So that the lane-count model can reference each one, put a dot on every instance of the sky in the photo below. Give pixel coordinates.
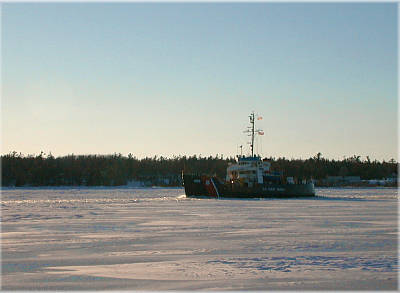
(171, 79)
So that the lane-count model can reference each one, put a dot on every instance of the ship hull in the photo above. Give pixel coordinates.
(200, 185)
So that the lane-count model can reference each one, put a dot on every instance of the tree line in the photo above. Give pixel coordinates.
(116, 169)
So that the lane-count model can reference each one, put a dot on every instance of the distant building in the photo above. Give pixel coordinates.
(334, 179)
(134, 183)
(356, 181)
(342, 179)
(393, 178)
(376, 182)
(352, 179)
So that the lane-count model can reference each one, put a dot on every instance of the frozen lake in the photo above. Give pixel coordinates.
(156, 239)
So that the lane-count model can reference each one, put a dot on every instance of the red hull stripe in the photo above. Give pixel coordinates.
(210, 186)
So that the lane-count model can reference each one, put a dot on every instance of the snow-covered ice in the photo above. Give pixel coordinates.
(157, 239)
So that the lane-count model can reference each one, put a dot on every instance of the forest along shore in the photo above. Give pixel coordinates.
(118, 170)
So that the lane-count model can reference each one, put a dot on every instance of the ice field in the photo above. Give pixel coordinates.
(157, 239)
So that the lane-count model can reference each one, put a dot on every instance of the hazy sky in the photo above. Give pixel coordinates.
(181, 79)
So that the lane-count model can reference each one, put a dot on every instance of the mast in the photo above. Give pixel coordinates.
(252, 131)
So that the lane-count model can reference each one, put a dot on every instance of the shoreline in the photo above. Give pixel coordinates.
(167, 187)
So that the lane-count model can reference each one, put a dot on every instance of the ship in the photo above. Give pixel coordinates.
(248, 177)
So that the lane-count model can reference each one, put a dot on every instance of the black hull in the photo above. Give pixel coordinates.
(198, 185)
